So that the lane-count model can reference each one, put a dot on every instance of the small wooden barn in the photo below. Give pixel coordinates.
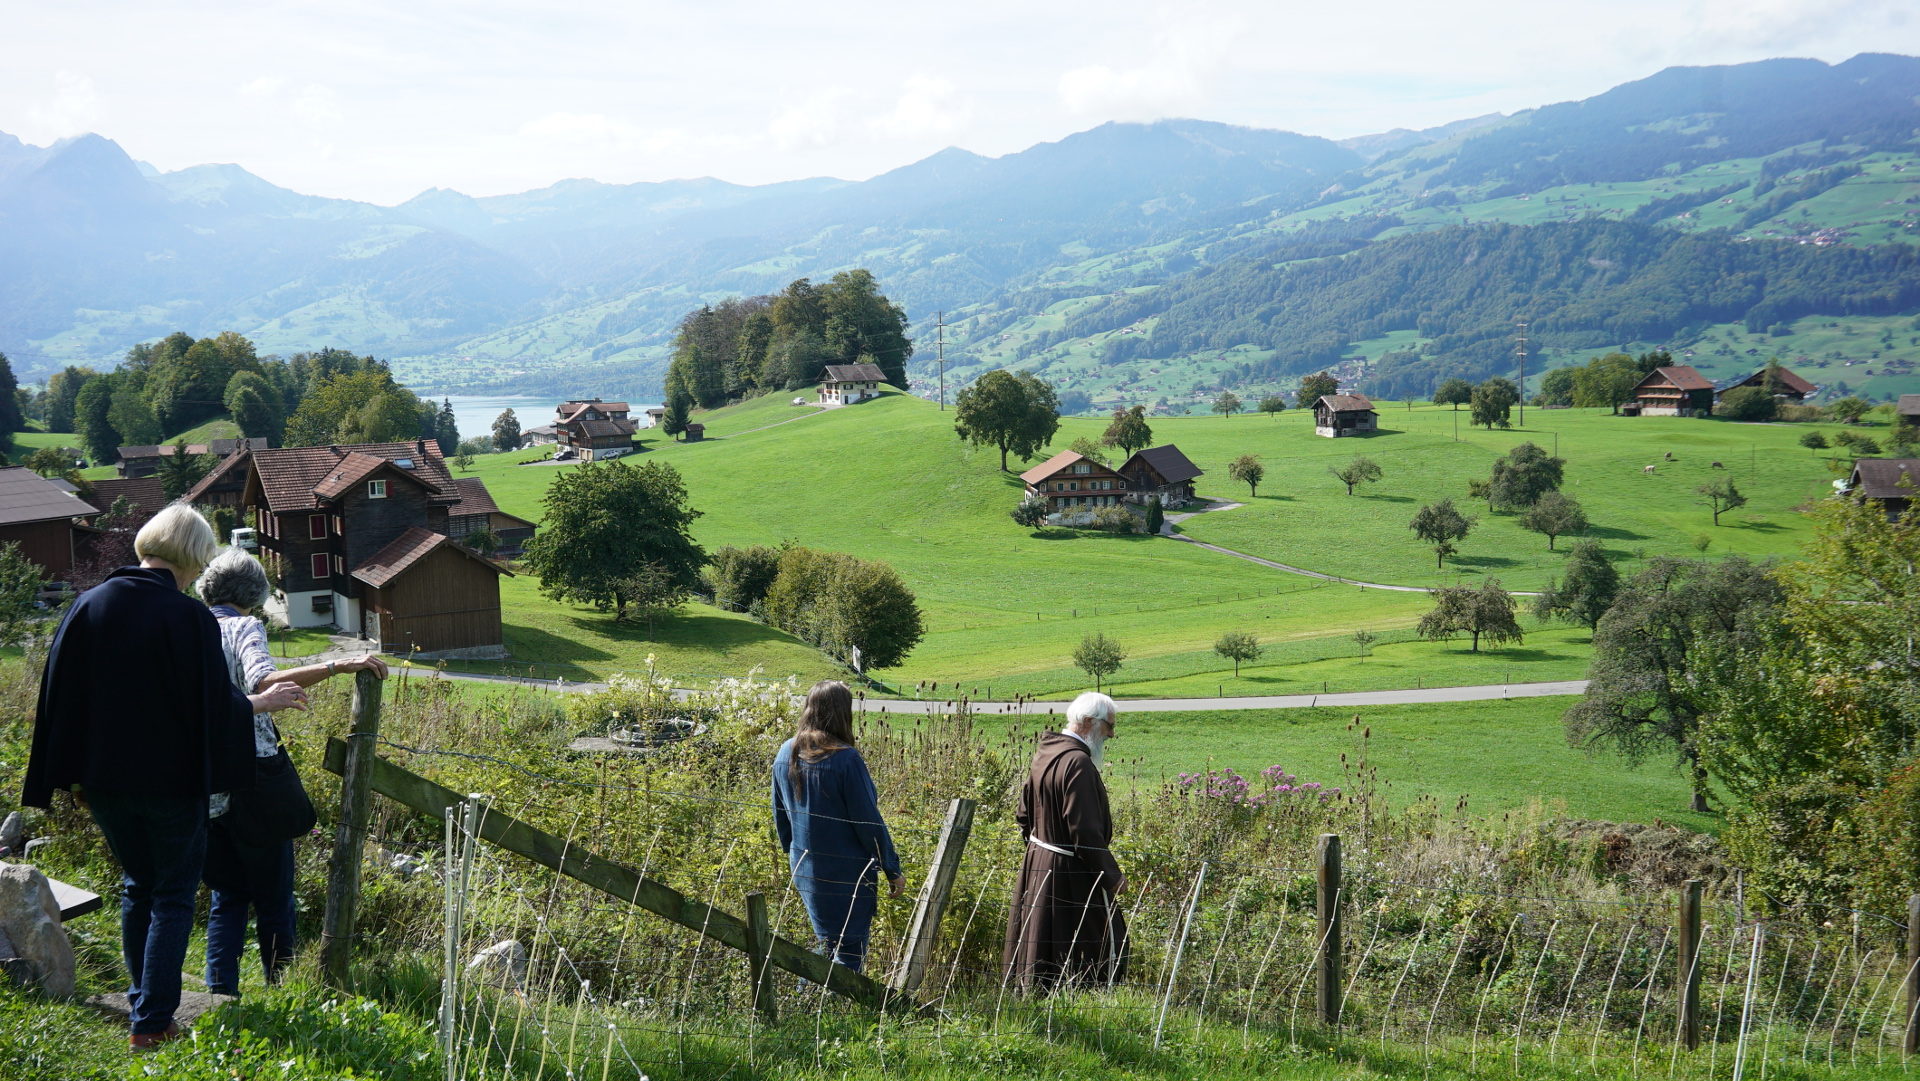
(1160, 471)
(1335, 415)
(1786, 385)
(38, 516)
(1674, 391)
(1892, 481)
(428, 595)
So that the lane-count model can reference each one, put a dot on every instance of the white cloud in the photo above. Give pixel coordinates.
(73, 108)
(1172, 79)
(598, 131)
(927, 106)
(814, 122)
(318, 105)
(264, 87)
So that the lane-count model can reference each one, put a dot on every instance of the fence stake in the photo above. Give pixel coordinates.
(924, 931)
(449, 944)
(350, 832)
(760, 957)
(1326, 963)
(1180, 951)
(1913, 975)
(1689, 962)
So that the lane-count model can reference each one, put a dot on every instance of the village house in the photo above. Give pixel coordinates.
(145, 498)
(1787, 386)
(225, 483)
(1907, 410)
(144, 461)
(1675, 391)
(1072, 483)
(593, 430)
(1160, 471)
(544, 436)
(39, 516)
(845, 384)
(1335, 415)
(477, 513)
(357, 537)
(1892, 481)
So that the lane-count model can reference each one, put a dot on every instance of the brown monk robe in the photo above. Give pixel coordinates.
(1064, 925)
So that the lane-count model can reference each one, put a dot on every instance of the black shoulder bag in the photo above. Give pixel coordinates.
(275, 807)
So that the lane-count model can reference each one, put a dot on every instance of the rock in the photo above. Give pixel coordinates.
(406, 866)
(30, 920)
(503, 964)
(13, 831)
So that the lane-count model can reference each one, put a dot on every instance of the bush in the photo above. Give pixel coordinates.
(1115, 519)
(741, 577)
(1748, 404)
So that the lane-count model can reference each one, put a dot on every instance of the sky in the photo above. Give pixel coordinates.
(380, 100)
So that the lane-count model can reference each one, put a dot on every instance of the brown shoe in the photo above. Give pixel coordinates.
(150, 1041)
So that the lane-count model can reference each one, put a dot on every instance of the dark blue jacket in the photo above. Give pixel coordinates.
(831, 819)
(135, 698)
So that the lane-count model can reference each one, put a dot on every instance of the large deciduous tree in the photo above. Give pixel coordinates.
(1556, 515)
(1523, 475)
(1317, 386)
(1587, 591)
(1440, 525)
(1128, 430)
(1016, 413)
(1247, 470)
(1227, 404)
(1605, 381)
(1483, 613)
(93, 419)
(1492, 403)
(605, 521)
(1362, 470)
(1240, 647)
(1645, 689)
(856, 609)
(1455, 392)
(506, 431)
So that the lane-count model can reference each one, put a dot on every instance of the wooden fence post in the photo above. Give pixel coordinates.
(1913, 975)
(760, 956)
(350, 832)
(1327, 968)
(924, 931)
(1689, 962)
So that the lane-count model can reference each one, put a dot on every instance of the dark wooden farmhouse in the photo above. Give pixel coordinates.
(1163, 472)
(323, 514)
(225, 484)
(1892, 481)
(593, 430)
(1335, 415)
(1071, 483)
(39, 517)
(1907, 410)
(1787, 386)
(1676, 391)
(845, 384)
(424, 594)
(144, 461)
(476, 511)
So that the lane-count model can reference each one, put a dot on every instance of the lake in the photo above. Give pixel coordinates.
(476, 414)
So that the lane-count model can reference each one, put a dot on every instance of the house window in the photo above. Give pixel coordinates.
(376, 489)
(339, 565)
(317, 565)
(1082, 467)
(316, 526)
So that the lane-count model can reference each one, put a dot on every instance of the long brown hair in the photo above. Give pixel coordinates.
(826, 725)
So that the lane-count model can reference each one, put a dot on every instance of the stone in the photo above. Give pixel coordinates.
(30, 920)
(503, 964)
(405, 865)
(13, 831)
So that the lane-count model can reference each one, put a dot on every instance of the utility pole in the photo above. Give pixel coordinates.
(1521, 352)
(940, 336)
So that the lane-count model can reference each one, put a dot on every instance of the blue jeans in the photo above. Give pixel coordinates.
(160, 842)
(243, 877)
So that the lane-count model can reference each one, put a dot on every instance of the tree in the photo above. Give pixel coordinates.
(1455, 392)
(1129, 430)
(1098, 656)
(1364, 639)
(20, 579)
(1361, 470)
(446, 428)
(253, 404)
(482, 540)
(1644, 690)
(362, 405)
(606, 520)
(856, 609)
(1588, 590)
(673, 418)
(1749, 404)
(1274, 404)
(11, 419)
(650, 592)
(51, 461)
(1849, 409)
(1088, 449)
(1486, 612)
(1440, 524)
(1017, 413)
(1227, 404)
(133, 418)
(1317, 386)
(1556, 388)
(180, 471)
(1031, 512)
(1554, 515)
(1606, 381)
(1492, 403)
(1247, 470)
(1722, 496)
(1904, 436)
(506, 431)
(63, 392)
(1813, 441)
(1523, 475)
(463, 461)
(1155, 516)
(92, 419)
(1239, 647)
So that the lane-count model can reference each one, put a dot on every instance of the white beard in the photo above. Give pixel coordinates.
(1097, 746)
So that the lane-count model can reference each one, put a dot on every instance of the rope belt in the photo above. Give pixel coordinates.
(1056, 849)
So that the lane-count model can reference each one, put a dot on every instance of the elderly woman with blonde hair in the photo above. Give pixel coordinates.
(241, 872)
(138, 720)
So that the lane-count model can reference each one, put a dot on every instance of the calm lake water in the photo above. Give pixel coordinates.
(477, 414)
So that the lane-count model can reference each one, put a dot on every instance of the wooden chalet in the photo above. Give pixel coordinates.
(226, 483)
(477, 511)
(1675, 391)
(145, 498)
(1907, 410)
(1335, 415)
(1787, 386)
(39, 517)
(594, 430)
(1072, 483)
(845, 384)
(1892, 481)
(1163, 472)
(426, 594)
(325, 514)
(144, 461)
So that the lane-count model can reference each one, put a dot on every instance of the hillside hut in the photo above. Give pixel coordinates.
(1335, 415)
(1891, 481)
(38, 516)
(1160, 471)
(424, 594)
(1907, 410)
(845, 384)
(1675, 391)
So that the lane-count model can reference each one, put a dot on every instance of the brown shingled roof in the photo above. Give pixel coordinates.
(1347, 403)
(1172, 466)
(1684, 377)
(1908, 406)
(474, 498)
(235, 462)
(1879, 478)
(26, 496)
(854, 373)
(410, 548)
(290, 475)
(146, 495)
(1051, 466)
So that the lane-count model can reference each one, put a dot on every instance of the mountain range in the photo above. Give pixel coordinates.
(1067, 257)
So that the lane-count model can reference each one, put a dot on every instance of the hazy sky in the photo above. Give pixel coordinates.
(378, 101)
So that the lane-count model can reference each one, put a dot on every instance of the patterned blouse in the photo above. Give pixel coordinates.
(244, 641)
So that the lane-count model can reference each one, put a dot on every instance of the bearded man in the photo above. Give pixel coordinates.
(1065, 925)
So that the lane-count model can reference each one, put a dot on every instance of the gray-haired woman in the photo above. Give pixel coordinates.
(243, 876)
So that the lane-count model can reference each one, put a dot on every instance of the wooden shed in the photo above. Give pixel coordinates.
(1335, 415)
(1891, 481)
(1675, 391)
(427, 595)
(38, 516)
(1785, 384)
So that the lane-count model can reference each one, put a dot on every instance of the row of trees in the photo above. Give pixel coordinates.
(858, 610)
(744, 346)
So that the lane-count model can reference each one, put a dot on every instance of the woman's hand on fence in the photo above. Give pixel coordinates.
(279, 696)
(896, 887)
(366, 663)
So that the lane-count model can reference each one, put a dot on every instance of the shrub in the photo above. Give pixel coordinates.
(1115, 519)
(1748, 404)
(741, 577)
